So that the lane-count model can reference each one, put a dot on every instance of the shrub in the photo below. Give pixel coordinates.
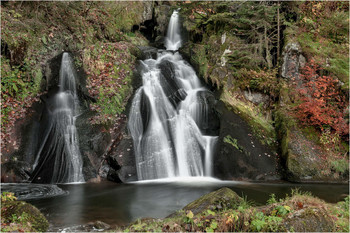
(320, 102)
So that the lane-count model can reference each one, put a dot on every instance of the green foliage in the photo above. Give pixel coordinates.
(19, 216)
(264, 81)
(281, 210)
(8, 196)
(281, 216)
(11, 79)
(340, 165)
(272, 199)
(212, 227)
(245, 204)
(341, 215)
(259, 222)
(189, 217)
(324, 35)
(109, 66)
(262, 222)
(233, 142)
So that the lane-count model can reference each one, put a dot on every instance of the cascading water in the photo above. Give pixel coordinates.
(167, 115)
(58, 158)
(173, 38)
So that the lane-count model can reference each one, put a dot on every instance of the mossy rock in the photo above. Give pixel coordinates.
(217, 200)
(310, 220)
(25, 213)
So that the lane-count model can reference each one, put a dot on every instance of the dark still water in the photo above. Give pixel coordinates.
(119, 204)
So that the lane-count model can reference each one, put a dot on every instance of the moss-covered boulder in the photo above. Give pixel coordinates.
(300, 212)
(310, 220)
(217, 200)
(304, 158)
(22, 216)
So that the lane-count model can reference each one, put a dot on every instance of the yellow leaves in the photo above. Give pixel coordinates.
(231, 218)
(190, 214)
(274, 212)
(287, 208)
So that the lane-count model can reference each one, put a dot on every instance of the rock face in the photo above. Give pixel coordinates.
(304, 162)
(256, 97)
(120, 160)
(161, 15)
(293, 60)
(217, 200)
(239, 154)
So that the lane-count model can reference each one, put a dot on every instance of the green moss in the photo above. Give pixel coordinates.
(220, 199)
(200, 58)
(261, 126)
(21, 216)
(333, 57)
(111, 91)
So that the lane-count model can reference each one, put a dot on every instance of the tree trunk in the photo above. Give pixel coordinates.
(278, 32)
(267, 50)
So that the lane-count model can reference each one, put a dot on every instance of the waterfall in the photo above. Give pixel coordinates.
(58, 158)
(173, 38)
(167, 115)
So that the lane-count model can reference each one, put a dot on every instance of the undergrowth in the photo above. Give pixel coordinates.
(279, 215)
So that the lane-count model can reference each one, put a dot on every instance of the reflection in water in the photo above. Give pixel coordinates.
(119, 204)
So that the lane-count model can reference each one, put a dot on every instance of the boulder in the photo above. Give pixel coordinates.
(310, 220)
(168, 81)
(217, 200)
(256, 97)
(239, 154)
(293, 60)
(209, 125)
(28, 214)
(99, 225)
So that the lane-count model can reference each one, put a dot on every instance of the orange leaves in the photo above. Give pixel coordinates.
(321, 103)
(300, 205)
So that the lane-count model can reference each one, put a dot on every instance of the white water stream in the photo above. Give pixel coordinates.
(58, 158)
(165, 114)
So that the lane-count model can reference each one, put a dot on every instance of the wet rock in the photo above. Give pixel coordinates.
(123, 154)
(148, 52)
(209, 125)
(103, 171)
(93, 143)
(172, 90)
(239, 155)
(101, 225)
(146, 114)
(293, 60)
(224, 197)
(162, 15)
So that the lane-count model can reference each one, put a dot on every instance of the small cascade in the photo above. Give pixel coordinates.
(168, 115)
(173, 38)
(58, 158)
